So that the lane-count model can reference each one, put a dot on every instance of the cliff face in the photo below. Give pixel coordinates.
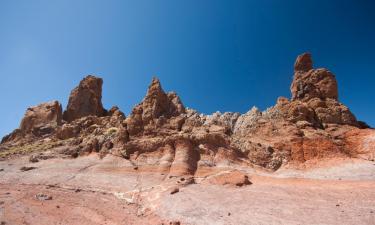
(161, 133)
(85, 100)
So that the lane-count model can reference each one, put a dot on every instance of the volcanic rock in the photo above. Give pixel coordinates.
(230, 178)
(186, 158)
(156, 107)
(85, 100)
(38, 121)
(309, 83)
(303, 63)
(162, 135)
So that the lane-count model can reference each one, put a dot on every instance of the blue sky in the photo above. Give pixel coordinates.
(217, 55)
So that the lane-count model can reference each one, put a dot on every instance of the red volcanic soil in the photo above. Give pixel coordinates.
(90, 190)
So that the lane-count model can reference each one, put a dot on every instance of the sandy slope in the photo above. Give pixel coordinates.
(89, 190)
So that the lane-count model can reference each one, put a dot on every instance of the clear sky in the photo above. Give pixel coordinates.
(217, 55)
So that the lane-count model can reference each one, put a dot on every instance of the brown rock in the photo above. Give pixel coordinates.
(154, 109)
(309, 83)
(231, 178)
(186, 158)
(86, 99)
(67, 131)
(41, 119)
(303, 63)
(360, 143)
(332, 111)
(174, 190)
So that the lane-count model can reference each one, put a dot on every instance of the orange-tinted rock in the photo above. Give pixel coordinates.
(154, 109)
(38, 121)
(160, 135)
(309, 83)
(85, 100)
(332, 111)
(231, 178)
(361, 143)
(186, 158)
(303, 63)
(43, 115)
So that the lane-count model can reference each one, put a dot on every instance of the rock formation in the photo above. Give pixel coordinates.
(162, 135)
(309, 83)
(85, 100)
(38, 121)
(315, 96)
(42, 119)
(156, 107)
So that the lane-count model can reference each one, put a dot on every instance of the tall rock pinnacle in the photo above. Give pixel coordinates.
(303, 63)
(155, 104)
(85, 100)
(315, 95)
(311, 83)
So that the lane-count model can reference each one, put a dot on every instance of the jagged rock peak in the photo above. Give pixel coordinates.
(154, 105)
(158, 103)
(315, 96)
(303, 62)
(86, 99)
(155, 88)
(311, 83)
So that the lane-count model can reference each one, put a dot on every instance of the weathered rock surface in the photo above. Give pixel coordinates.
(312, 83)
(162, 136)
(154, 110)
(41, 117)
(230, 178)
(38, 121)
(85, 100)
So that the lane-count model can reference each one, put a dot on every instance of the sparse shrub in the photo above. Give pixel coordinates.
(111, 131)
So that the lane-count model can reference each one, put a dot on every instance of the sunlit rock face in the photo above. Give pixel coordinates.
(163, 136)
(85, 100)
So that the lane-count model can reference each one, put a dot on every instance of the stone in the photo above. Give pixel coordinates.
(312, 83)
(186, 158)
(303, 63)
(156, 106)
(160, 135)
(67, 131)
(230, 178)
(174, 190)
(43, 197)
(41, 119)
(27, 168)
(85, 100)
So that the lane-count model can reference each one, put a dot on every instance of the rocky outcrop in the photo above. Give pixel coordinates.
(155, 108)
(162, 136)
(315, 97)
(186, 158)
(311, 83)
(38, 121)
(303, 63)
(42, 118)
(85, 100)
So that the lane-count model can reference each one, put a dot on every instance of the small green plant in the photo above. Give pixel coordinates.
(111, 131)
